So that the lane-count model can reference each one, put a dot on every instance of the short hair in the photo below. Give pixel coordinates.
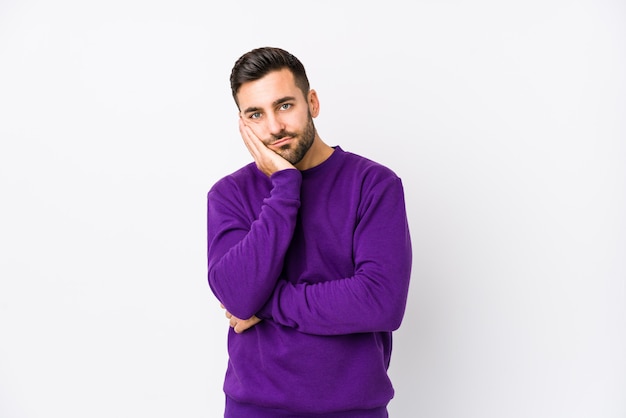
(258, 62)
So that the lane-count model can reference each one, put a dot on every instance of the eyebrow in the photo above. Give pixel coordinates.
(275, 103)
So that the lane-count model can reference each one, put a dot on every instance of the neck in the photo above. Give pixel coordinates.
(317, 154)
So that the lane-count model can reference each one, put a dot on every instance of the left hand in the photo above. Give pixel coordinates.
(240, 325)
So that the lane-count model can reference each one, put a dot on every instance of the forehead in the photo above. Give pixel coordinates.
(266, 90)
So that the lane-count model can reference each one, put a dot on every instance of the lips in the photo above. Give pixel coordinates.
(281, 141)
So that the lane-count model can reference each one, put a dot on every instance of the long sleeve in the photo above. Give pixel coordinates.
(323, 256)
(373, 299)
(248, 235)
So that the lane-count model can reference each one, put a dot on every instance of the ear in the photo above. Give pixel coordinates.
(314, 103)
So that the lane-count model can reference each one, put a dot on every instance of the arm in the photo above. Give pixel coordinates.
(374, 298)
(240, 325)
(245, 256)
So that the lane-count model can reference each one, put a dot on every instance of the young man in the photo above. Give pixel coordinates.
(309, 254)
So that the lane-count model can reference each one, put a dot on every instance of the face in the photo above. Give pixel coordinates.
(279, 114)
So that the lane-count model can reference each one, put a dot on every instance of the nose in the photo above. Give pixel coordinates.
(274, 124)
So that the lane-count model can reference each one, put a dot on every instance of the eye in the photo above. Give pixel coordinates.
(255, 115)
(285, 106)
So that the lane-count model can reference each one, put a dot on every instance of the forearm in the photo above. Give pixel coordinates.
(345, 306)
(245, 255)
(374, 297)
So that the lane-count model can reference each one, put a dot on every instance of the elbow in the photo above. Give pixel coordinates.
(391, 311)
(396, 320)
(392, 319)
(385, 321)
(242, 304)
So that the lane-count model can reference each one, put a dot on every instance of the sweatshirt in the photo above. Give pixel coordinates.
(323, 257)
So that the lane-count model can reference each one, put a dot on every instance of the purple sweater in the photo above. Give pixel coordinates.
(323, 256)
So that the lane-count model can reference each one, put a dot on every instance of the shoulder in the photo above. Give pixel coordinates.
(367, 169)
(239, 181)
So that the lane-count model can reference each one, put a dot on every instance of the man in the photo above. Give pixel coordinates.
(309, 254)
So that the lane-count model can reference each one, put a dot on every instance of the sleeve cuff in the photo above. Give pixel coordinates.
(287, 183)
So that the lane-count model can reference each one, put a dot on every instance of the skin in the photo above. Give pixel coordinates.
(276, 125)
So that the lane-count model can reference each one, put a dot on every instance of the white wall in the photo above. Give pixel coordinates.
(504, 119)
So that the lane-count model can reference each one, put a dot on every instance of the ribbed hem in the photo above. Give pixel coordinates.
(236, 409)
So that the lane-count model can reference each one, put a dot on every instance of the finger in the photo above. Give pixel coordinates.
(245, 131)
(241, 326)
(249, 138)
(255, 145)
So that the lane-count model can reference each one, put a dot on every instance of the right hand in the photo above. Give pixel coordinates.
(266, 160)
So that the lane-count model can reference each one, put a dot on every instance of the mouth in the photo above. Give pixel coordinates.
(281, 141)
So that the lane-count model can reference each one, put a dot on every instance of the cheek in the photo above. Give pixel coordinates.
(295, 122)
(259, 130)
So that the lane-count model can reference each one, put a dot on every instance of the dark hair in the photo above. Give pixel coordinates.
(259, 62)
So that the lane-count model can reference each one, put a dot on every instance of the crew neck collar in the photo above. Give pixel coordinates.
(330, 161)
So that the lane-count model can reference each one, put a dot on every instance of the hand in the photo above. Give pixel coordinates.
(266, 160)
(240, 325)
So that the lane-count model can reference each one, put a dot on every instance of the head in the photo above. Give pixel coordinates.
(272, 93)
(259, 62)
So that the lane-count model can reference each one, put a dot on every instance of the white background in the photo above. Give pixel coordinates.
(505, 121)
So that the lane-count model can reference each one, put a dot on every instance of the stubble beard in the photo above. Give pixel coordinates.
(302, 144)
